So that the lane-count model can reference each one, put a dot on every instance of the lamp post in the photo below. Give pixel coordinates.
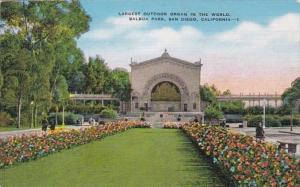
(264, 114)
(286, 102)
(292, 121)
(63, 116)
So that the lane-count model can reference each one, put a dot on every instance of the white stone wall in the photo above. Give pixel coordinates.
(189, 73)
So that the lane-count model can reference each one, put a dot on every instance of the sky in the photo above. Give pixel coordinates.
(258, 53)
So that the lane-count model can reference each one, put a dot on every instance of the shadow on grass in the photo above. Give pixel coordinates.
(210, 174)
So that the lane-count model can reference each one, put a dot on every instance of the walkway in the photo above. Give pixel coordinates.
(276, 134)
(6, 134)
(138, 157)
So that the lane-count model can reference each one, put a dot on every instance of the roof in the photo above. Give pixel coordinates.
(164, 56)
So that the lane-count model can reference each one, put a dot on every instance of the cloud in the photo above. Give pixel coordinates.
(114, 26)
(231, 58)
(283, 29)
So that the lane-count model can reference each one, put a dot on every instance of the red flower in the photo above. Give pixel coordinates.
(265, 164)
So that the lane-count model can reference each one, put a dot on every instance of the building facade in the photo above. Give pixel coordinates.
(165, 84)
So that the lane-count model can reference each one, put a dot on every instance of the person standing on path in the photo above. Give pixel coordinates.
(260, 133)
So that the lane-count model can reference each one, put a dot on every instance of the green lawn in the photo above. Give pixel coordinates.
(138, 157)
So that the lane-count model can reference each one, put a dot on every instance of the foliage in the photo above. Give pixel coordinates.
(24, 148)
(38, 47)
(85, 109)
(232, 107)
(96, 75)
(70, 118)
(283, 109)
(247, 161)
(5, 119)
(120, 84)
(272, 120)
(286, 120)
(108, 113)
(292, 94)
(212, 113)
(226, 92)
(208, 94)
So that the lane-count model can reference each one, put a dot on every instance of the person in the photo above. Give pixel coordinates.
(44, 124)
(143, 117)
(44, 121)
(196, 119)
(90, 121)
(222, 124)
(260, 133)
(52, 126)
(179, 118)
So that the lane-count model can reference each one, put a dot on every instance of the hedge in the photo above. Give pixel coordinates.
(29, 147)
(108, 113)
(70, 118)
(271, 120)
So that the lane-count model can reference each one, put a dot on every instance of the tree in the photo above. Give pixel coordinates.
(207, 94)
(1, 81)
(232, 107)
(61, 95)
(15, 62)
(121, 87)
(38, 36)
(227, 92)
(212, 113)
(292, 94)
(97, 75)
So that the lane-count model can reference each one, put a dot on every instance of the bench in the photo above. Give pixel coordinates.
(288, 146)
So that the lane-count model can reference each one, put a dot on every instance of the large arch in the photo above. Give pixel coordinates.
(167, 77)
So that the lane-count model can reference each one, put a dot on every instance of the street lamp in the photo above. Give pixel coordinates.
(286, 102)
(264, 113)
(31, 104)
(292, 121)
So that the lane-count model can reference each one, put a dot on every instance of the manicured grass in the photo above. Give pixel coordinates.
(137, 157)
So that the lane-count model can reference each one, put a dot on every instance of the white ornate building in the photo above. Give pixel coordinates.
(180, 75)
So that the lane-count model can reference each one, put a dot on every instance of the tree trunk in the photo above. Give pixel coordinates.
(56, 110)
(35, 116)
(19, 112)
(63, 116)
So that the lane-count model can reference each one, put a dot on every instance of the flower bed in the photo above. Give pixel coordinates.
(24, 148)
(172, 125)
(247, 161)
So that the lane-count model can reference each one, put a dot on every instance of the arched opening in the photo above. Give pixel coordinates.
(165, 96)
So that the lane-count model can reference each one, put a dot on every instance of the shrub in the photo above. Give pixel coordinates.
(212, 113)
(85, 109)
(70, 118)
(5, 119)
(232, 107)
(271, 120)
(108, 113)
(286, 120)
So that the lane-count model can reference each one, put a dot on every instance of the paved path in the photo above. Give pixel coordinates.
(6, 134)
(275, 134)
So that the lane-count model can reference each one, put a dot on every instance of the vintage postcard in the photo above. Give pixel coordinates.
(149, 93)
